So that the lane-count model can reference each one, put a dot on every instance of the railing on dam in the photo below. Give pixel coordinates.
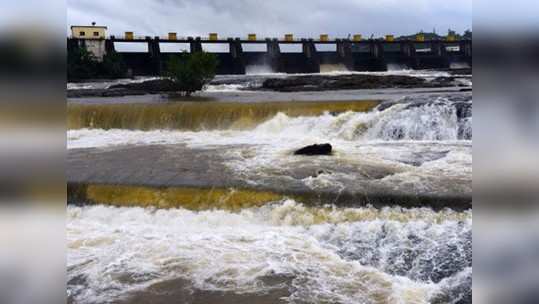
(319, 40)
(354, 53)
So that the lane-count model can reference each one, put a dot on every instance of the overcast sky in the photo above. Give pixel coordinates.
(272, 18)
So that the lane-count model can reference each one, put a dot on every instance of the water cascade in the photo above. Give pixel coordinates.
(197, 115)
(205, 202)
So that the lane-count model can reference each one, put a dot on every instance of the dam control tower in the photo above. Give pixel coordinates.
(92, 37)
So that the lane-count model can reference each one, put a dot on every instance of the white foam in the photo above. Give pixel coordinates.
(435, 122)
(398, 67)
(259, 69)
(330, 68)
(225, 88)
(118, 250)
(459, 65)
(107, 83)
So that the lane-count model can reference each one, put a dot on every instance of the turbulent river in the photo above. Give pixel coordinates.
(287, 248)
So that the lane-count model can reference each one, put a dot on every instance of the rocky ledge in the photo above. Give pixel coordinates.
(156, 86)
(355, 82)
(288, 84)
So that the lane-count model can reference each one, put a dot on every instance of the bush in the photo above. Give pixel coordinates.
(82, 64)
(113, 66)
(191, 71)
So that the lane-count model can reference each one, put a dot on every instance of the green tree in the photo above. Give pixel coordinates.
(191, 71)
(113, 66)
(81, 64)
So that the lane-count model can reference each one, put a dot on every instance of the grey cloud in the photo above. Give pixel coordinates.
(272, 18)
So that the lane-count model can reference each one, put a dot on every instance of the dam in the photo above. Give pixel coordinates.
(266, 152)
(309, 55)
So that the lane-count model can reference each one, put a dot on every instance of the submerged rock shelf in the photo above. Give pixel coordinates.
(176, 176)
(354, 82)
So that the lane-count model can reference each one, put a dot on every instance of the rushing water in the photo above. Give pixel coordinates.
(284, 251)
(439, 118)
(332, 255)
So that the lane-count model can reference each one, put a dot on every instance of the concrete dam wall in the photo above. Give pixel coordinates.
(363, 55)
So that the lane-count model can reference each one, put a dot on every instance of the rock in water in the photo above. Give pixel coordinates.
(149, 86)
(322, 149)
(345, 82)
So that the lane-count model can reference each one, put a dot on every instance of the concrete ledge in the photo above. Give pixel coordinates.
(177, 176)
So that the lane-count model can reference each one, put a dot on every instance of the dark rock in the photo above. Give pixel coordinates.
(320, 172)
(341, 82)
(463, 71)
(150, 86)
(78, 93)
(443, 81)
(322, 149)
(156, 86)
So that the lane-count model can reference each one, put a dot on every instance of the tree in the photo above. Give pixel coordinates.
(190, 72)
(81, 64)
(113, 66)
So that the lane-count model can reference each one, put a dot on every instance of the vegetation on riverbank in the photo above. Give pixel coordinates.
(190, 72)
(82, 64)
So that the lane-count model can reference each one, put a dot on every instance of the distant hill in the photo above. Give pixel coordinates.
(428, 36)
(435, 36)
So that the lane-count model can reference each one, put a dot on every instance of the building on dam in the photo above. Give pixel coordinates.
(92, 37)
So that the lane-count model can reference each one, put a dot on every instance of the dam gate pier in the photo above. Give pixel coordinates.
(308, 56)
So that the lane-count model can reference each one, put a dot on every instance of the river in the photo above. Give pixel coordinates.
(203, 201)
